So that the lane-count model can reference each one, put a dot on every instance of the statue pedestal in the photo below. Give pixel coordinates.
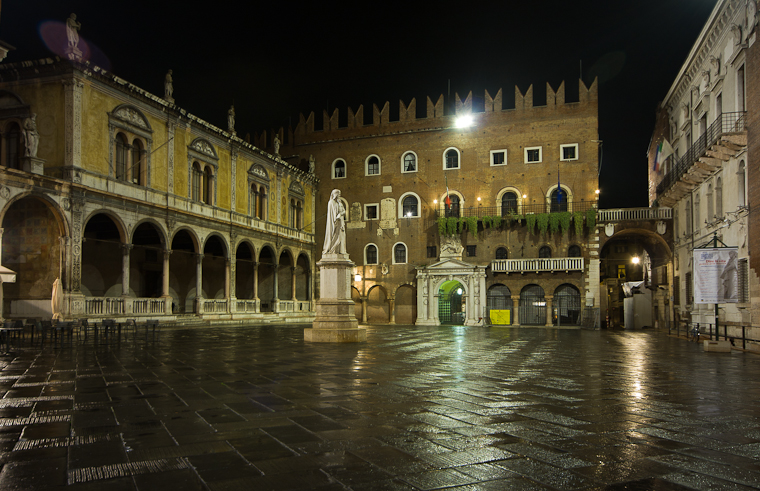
(33, 165)
(335, 321)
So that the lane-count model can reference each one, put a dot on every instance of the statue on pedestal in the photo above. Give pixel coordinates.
(276, 144)
(72, 30)
(231, 120)
(335, 233)
(30, 136)
(168, 86)
(311, 164)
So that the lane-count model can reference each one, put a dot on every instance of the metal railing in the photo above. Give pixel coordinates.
(537, 265)
(710, 332)
(624, 214)
(504, 211)
(728, 123)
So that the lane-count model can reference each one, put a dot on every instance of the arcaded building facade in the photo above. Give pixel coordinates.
(452, 216)
(708, 181)
(142, 209)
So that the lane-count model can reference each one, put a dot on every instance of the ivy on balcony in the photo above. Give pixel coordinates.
(536, 223)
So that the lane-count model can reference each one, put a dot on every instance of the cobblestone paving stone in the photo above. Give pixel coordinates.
(413, 408)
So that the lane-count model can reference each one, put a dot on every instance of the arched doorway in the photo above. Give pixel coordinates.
(146, 261)
(532, 306)
(451, 304)
(566, 306)
(406, 305)
(183, 272)
(377, 306)
(31, 248)
(499, 303)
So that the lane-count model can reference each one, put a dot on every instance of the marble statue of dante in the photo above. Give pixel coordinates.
(231, 119)
(31, 136)
(168, 86)
(311, 164)
(72, 30)
(335, 233)
(276, 144)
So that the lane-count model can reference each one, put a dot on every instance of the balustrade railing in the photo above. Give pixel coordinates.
(148, 305)
(103, 306)
(537, 265)
(215, 306)
(246, 306)
(623, 214)
(734, 122)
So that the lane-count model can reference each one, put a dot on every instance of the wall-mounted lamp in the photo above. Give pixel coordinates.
(635, 259)
(597, 192)
(435, 201)
(525, 196)
(357, 277)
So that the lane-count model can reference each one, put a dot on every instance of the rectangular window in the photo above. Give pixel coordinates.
(432, 251)
(677, 290)
(568, 152)
(370, 212)
(498, 157)
(532, 155)
(472, 250)
(621, 271)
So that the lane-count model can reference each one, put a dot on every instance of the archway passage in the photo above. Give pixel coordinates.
(566, 305)
(451, 306)
(499, 302)
(532, 306)
(31, 248)
(102, 258)
(267, 275)
(146, 261)
(214, 268)
(244, 271)
(303, 278)
(183, 272)
(285, 272)
(406, 305)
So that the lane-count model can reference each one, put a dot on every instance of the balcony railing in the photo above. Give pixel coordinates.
(625, 214)
(728, 123)
(537, 265)
(524, 209)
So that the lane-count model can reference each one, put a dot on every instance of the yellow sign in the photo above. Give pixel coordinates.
(500, 317)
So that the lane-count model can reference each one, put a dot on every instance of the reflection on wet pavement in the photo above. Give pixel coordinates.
(412, 408)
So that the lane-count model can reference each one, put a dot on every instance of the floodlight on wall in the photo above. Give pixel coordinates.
(597, 192)
(357, 277)
(463, 121)
(635, 259)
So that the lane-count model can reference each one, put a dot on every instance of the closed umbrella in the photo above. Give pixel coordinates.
(56, 302)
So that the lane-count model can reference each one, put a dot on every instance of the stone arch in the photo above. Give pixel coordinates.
(245, 269)
(567, 195)
(120, 225)
(303, 277)
(267, 277)
(104, 238)
(518, 197)
(285, 271)
(214, 266)
(146, 258)
(53, 206)
(378, 307)
(566, 305)
(532, 305)
(405, 303)
(185, 247)
(33, 226)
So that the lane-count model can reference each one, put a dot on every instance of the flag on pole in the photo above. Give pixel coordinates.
(664, 150)
(447, 200)
(559, 188)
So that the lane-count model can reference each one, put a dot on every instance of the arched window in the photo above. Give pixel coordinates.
(197, 180)
(545, 252)
(574, 251)
(122, 148)
(262, 209)
(13, 146)
(370, 254)
(253, 201)
(409, 162)
(451, 159)
(742, 183)
(399, 253)
(137, 170)
(339, 169)
(410, 206)
(508, 203)
(372, 166)
(453, 209)
(558, 200)
(208, 186)
(719, 197)
(501, 253)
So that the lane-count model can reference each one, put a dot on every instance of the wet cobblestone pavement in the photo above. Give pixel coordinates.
(412, 408)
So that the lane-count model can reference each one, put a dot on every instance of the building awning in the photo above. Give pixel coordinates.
(7, 275)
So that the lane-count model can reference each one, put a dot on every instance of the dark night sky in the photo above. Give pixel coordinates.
(275, 60)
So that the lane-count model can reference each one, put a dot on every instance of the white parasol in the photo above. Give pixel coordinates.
(56, 302)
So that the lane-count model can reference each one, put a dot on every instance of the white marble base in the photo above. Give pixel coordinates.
(335, 320)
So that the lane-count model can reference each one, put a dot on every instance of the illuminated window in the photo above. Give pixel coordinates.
(409, 162)
(339, 169)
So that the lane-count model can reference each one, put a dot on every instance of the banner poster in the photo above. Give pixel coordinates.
(716, 275)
